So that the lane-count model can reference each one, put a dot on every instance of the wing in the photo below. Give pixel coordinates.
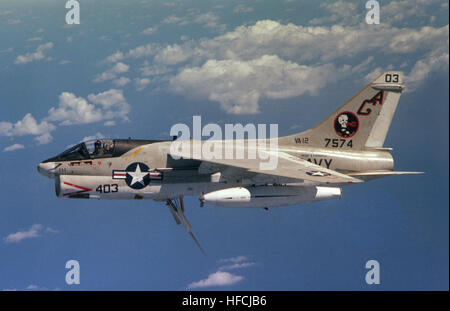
(287, 166)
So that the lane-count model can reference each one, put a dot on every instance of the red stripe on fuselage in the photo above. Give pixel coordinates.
(83, 189)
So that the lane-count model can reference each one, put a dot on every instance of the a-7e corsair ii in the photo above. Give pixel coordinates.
(347, 147)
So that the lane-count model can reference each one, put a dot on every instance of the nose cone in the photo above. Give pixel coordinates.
(47, 169)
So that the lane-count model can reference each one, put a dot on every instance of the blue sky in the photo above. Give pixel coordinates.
(135, 68)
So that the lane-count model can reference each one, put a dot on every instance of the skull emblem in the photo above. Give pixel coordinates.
(346, 124)
(343, 119)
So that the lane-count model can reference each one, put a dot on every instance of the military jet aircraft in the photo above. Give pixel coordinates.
(347, 147)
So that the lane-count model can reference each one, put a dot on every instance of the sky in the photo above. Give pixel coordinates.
(135, 68)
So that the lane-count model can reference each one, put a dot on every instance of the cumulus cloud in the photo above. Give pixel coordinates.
(105, 106)
(115, 57)
(34, 231)
(222, 277)
(112, 102)
(338, 12)
(295, 43)
(142, 83)
(27, 126)
(112, 72)
(395, 12)
(44, 139)
(272, 60)
(38, 54)
(149, 30)
(238, 85)
(173, 54)
(299, 43)
(109, 123)
(434, 61)
(77, 110)
(74, 110)
(138, 52)
(209, 20)
(122, 81)
(219, 278)
(172, 19)
(154, 70)
(398, 11)
(13, 147)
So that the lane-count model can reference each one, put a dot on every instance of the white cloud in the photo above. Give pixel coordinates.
(13, 147)
(44, 138)
(141, 51)
(301, 43)
(239, 265)
(38, 54)
(238, 262)
(413, 40)
(296, 43)
(35, 231)
(209, 20)
(173, 54)
(154, 70)
(149, 31)
(138, 52)
(398, 11)
(110, 123)
(219, 278)
(74, 110)
(112, 98)
(27, 126)
(172, 19)
(238, 85)
(105, 106)
(434, 61)
(122, 81)
(272, 60)
(112, 72)
(77, 110)
(115, 57)
(339, 12)
(142, 83)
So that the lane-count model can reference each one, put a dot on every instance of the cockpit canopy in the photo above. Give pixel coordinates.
(99, 148)
(88, 150)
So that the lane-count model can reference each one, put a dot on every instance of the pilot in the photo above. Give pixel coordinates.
(98, 148)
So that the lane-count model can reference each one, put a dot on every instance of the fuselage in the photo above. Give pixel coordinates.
(117, 172)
